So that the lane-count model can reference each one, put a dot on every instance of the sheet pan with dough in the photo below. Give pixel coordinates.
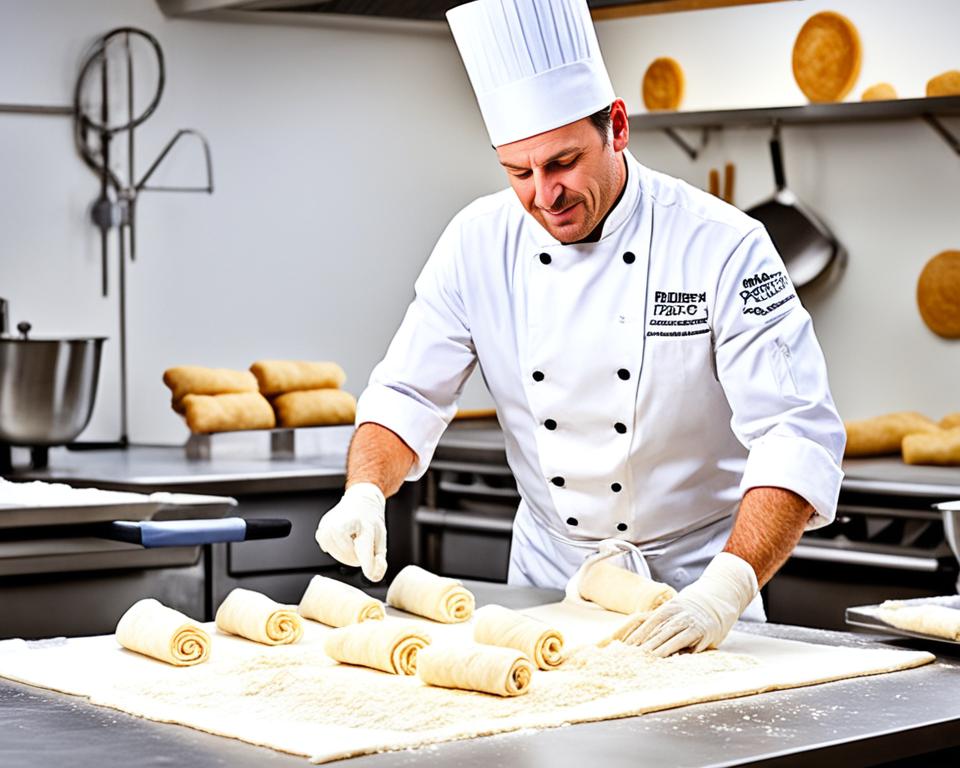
(295, 699)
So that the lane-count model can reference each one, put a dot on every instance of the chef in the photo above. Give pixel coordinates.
(659, 384)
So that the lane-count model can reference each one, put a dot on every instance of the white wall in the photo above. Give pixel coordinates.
(339, 156)
(890, 192)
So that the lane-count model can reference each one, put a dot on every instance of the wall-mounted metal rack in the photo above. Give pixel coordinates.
(930, 110)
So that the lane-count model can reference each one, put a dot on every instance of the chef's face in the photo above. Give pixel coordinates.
(569, 178)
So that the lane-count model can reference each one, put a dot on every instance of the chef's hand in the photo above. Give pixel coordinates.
(354, 531)
(701, 614)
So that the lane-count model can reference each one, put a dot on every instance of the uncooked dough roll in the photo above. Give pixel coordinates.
(485, 668)
(884, 434)
(390, 646)
(256, 617)
(623, 591)
(197, 380)
(228, 413)
(937, 620)
(942, 447)
(153, 629)
(495, 625)
(436, 597)
(278, 376)
(336, 604)
(315, 408)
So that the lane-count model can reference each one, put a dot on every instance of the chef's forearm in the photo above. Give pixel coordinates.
(768, 527)
(378, 456)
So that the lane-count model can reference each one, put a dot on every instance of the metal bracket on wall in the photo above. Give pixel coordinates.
(952, 141)
(692, 152)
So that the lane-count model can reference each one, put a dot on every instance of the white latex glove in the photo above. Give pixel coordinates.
(702, 614)
(354, 531)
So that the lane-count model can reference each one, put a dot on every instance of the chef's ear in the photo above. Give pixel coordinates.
(619, 125)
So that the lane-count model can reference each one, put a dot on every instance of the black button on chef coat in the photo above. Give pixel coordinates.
(629, 258)
(550, 424)
(545, 258)
(623, 373)
(620, 427)
(616, 487)
(572, 521)
(557, 481)
(621, 526)
(538, 375)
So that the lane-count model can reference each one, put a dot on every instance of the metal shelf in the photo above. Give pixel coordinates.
(927, 109)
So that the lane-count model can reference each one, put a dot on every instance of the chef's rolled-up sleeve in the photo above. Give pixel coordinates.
(772, 370)
(413, 391)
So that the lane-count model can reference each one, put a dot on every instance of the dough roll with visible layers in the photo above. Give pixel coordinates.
(390, 646)
(315, 408)
(336, 604)
(936, 620)
(542, 644)
(228, 413)
(883, 435)
(275, 377)
(196, 380)
(256, 617)
(485, 668)
(942, 447)
(435, 597)
(623, 591)
(151, 628)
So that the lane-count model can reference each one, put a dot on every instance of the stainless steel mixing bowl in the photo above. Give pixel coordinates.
(47, 388)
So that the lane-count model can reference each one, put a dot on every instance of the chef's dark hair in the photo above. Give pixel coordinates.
(601, 121)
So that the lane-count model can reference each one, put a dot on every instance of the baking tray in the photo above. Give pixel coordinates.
(865, 616)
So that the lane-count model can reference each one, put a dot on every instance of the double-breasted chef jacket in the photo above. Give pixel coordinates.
(644, 382)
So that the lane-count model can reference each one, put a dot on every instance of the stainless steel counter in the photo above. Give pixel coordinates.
(860, 722)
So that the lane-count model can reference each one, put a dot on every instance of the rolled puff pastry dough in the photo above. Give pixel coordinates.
(228, 413)
(623, 591)
(256, 617)
(197, 380)
(315, 408)
(278, 376)
(937, 620)
(542, 644)
(942, 447)
(484, 668)
(435, 597)
(883, 434)
(390, 646)
(336, 604)
(153, 629)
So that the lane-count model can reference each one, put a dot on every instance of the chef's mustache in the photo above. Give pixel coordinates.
(564, 201)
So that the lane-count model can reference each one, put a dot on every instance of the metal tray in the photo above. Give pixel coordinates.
(865, 616)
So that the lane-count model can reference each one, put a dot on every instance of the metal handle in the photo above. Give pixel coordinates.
(776, 156)
(859, 557)
(444, 518)
(24, 328)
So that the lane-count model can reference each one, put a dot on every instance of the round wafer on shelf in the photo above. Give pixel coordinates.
(826, 57)
(663, 84)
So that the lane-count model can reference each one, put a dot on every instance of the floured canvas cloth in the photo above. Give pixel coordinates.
(295, 699)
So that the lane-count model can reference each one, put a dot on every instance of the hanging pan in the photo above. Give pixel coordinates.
(807, 247)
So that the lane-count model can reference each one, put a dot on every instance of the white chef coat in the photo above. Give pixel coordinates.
(644, 382)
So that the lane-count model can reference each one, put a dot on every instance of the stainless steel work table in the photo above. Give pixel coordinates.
(858, 722)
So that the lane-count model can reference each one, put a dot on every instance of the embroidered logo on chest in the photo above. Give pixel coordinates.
(678, 313)
(762, 288)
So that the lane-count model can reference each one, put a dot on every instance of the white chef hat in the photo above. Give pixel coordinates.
(534, 64)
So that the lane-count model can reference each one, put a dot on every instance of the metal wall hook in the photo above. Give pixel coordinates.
(205, 145)
(692, 152)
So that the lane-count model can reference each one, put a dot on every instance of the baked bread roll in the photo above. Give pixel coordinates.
(950, 421)
(940, 448)
(663, 84)
(315, 408)
(228, 413)
(278, 376)
(390, 646)
(484, 668)
(826, 57)
(197, 380)
(435, 597)
(495, 625)
(623, 591)
(336, 604)
(879, 92)
(256, 617)
(883, 435)
(153, 629)
(938, 294)
(945, 84)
